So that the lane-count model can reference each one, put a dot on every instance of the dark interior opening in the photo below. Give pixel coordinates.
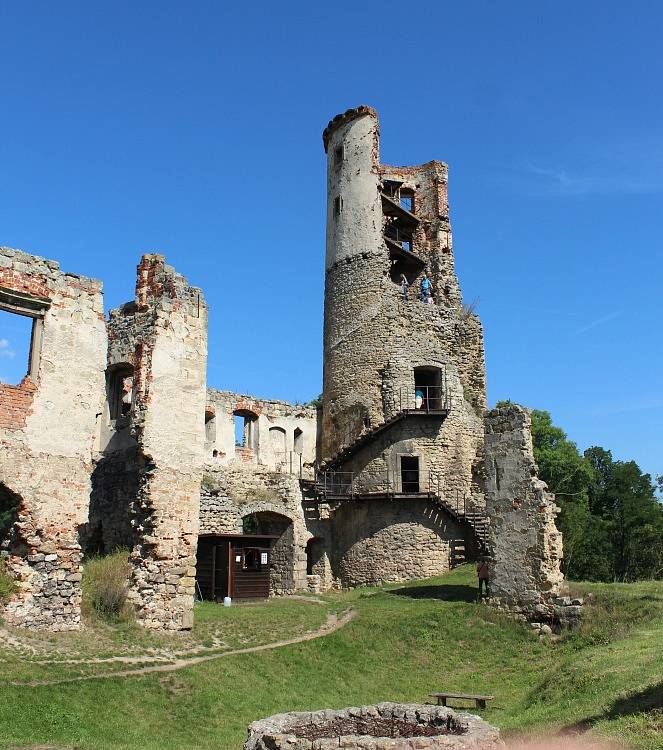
(428, 387)
(409, 474)
(119, 390)
(9, 504)
(314, 554)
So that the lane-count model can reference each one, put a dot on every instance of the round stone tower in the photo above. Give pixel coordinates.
(404, 376)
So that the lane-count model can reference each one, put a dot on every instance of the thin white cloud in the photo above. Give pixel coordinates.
(5, 350)
(597, 322)
(646, 403)
(608, 178)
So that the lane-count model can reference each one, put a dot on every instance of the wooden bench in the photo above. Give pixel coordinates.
(479, 700)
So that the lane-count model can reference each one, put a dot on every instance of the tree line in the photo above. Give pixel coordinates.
(610, 517)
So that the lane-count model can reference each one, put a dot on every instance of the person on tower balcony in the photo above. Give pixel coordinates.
(425, 289)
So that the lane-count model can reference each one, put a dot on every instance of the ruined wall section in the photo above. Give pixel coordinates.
(283, 435)
(432, 239)
(525, 545)
(230, 494)
(47, 431)
(147, 478)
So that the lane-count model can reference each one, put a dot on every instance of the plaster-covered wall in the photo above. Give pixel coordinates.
(273, 441)
(47, 431)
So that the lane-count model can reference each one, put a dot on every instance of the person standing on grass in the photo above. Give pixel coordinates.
(483, 574)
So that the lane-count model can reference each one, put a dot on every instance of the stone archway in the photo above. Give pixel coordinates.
(282, 556)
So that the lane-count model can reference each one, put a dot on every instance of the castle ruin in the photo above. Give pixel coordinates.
(113, 439)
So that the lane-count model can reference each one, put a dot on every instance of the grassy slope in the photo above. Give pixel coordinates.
(404, 644)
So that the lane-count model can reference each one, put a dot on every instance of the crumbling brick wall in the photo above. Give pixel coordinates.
(47, 429)
(525, 545)
(146, 482)
(283, 435)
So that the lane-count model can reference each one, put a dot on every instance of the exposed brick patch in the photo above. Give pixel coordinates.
(16, 404)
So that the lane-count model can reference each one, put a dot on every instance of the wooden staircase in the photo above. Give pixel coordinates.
(478, 523)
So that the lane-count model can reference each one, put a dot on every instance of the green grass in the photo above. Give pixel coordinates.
(406, 642)
(7, 584)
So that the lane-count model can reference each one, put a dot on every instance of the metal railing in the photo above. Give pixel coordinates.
(287, 462)
(350, 484)
(424, 398)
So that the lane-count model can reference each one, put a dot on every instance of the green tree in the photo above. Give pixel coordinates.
(629, 503)
(610, 517)
(602, 464)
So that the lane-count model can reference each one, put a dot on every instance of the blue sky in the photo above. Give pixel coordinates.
(195, 130)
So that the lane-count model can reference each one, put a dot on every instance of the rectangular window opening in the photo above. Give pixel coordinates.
(239, 431)
(339, 155)
(119, 389)
(338, 205)
(407, 200)
(19, 347)
(409, 474)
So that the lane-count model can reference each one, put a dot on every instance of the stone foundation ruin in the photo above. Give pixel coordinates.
(112, 439)
(393, 725)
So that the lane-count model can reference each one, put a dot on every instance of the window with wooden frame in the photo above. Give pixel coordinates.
(25, 316)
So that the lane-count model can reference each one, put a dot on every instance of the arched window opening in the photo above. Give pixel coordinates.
(246, 432)
(210, 426)
(298, 440)
(277, 439)
(119, 391)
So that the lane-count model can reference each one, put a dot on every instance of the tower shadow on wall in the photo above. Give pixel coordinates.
(448, 592)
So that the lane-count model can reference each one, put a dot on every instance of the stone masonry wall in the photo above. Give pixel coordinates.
(47, 430)
(232, 493)
(283, 435)
(525, 545)
(377, 541)
(378, 342)
(147, 477)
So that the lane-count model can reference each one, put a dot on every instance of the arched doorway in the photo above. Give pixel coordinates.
(254, 563)
(282, 557)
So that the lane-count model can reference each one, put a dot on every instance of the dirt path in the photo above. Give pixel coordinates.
(331, 625)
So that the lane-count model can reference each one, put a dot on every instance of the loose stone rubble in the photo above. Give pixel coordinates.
(409, 726)
(113, 440)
